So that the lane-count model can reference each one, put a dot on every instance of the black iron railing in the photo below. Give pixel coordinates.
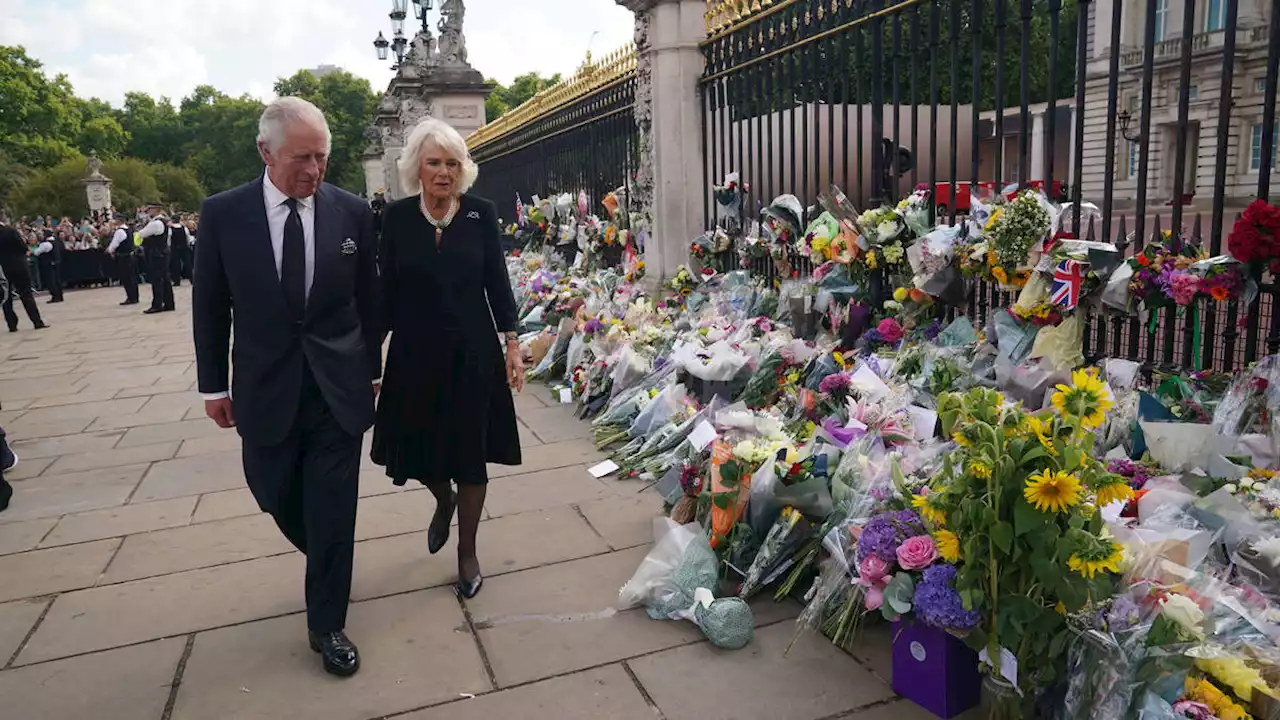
(955, 95)
(577, 135)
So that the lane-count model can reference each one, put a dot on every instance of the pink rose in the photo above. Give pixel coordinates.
(874, 598)
(917, 553)
(872, 571)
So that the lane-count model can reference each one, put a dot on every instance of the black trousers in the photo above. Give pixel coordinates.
(179, 265)
(309, 483)
(53, 281)
(161, 286)
(20, 287)
(127, 267)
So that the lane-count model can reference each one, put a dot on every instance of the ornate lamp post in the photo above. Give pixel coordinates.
(398, 42)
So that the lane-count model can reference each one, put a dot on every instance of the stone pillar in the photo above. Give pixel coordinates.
(97, 187)
(1036, 171)
(674, 63)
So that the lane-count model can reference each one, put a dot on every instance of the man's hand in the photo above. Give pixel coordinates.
(220, 411)
(377, 388)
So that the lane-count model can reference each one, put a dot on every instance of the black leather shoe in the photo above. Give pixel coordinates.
(438, 531)
(129, 302)
(339, 654)
(152, 311)
(42, 326)
(6, 492)
(470, 588)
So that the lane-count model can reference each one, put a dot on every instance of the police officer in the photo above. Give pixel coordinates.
(123, 250)
(155, 248)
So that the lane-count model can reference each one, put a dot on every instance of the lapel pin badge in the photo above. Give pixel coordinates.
(348, 247)
(474, 215)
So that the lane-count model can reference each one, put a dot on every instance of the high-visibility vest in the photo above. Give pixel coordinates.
(137, 240)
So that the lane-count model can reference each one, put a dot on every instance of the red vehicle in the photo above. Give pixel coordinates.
(958, 197)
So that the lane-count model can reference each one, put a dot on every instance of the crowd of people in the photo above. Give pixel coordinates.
(44, 253)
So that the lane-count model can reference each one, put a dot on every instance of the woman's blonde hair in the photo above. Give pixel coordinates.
(443, 134)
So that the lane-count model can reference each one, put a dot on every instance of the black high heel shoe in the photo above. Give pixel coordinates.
(470, 588)
(437, 536)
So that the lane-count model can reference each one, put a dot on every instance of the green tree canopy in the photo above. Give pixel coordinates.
(348, 103)
(507, 97)
(178, 187)
(39, 116)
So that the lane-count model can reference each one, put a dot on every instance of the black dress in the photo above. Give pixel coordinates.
(445, 408)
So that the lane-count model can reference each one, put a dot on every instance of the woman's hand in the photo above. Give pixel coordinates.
(515, 367)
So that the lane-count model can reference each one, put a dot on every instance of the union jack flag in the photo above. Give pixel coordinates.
(1068, 280)
(519, 210)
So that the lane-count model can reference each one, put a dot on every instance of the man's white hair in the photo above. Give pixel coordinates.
(285, 111)
(442, 134)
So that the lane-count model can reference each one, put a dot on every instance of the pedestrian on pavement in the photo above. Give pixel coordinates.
(179, 252)
(13, 261)
(155, 249)
(123, 250)
(293, 259)
(447, 407)
(8, 461)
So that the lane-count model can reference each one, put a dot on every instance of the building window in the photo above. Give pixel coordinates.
(1255, 146)
(1133, 159)
(1193, 92)
(1162, 13)
(1260, 86)
(1215, 17)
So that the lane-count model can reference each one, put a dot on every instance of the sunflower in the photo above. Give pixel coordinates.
(1106, 556)
(999, 275)
(961, 439)
(1086, 398)
(1112, 492)
(1052, 490)
(1043, 430)
(685, 292)
(980, 469)
(948, 545)
(925, 505)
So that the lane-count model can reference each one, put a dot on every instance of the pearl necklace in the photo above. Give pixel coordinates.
(442, 223)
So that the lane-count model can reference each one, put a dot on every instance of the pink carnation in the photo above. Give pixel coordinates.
(890, 331)
(917, 553)
(1184, 286)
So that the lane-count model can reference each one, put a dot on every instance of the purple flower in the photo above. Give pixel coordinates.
(831, 383)
(1122, 615)
(885, 532)
(935, 328)
(1193, 710)
(938, 604)
(593, 326)
(842, 435)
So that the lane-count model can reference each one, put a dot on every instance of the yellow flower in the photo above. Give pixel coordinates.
(1107, 558)
(960, 439)
(1203, 691)
(1112, 492)
(1042, 430)
(1052, 491)
(948, 545)
(1232, 672)
(1060, 608)
(995, 217)
(927, 510)
(900, 294)
(1086, 398)
(871, 259)
(979, 469)
(999, 274)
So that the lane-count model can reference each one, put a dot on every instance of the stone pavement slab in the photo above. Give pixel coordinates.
(556, 424)
(132, 612)
(225, 504)
(192, 476)
(29, 468)
(21, 536)
(116, 457)
(680, 680)
(16, 620)
(131, 682)
(415, 649)
(551, 455)
(66, 444)
(37, 429)
(624, 521)
(120, 521)
(54, 495)
(539, 490)
(184, 430)
(41, 572)
(558, 619)
(606, 692)
(196, 546)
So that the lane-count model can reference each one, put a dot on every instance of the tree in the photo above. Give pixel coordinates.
(133, 183)
(508, 97)
(39, 120)
(12, 175)
(221, 132)
(156, 132)
(347, 103)
(105, 136)
(179, 187)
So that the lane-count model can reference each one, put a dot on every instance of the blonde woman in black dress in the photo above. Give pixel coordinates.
(446, 407)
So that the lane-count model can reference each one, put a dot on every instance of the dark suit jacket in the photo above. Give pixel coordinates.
(339, 335)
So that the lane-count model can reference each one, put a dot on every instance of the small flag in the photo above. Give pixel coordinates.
(519, 210)
(1068, 281)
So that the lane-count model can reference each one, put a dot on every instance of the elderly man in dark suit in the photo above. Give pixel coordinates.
(293, 261)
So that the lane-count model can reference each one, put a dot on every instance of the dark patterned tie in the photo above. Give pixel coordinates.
(293, 261)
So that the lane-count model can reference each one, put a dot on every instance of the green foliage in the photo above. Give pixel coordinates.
(104, 135)
(221, 132)
(347, 102)
(12, 175)
(507, 97)
(132, 183)
(156, 132)
(39, 118)
(179, 187)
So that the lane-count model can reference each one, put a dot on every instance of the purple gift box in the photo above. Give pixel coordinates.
(934, 670)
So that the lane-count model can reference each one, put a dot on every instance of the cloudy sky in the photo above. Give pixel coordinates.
(167, 47)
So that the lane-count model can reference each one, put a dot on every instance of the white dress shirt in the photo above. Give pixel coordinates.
(116, 239)
(277, 214)
(155, 227)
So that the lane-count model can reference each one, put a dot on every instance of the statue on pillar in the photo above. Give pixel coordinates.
(97, 187)
(93, 165)
(453, 45)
